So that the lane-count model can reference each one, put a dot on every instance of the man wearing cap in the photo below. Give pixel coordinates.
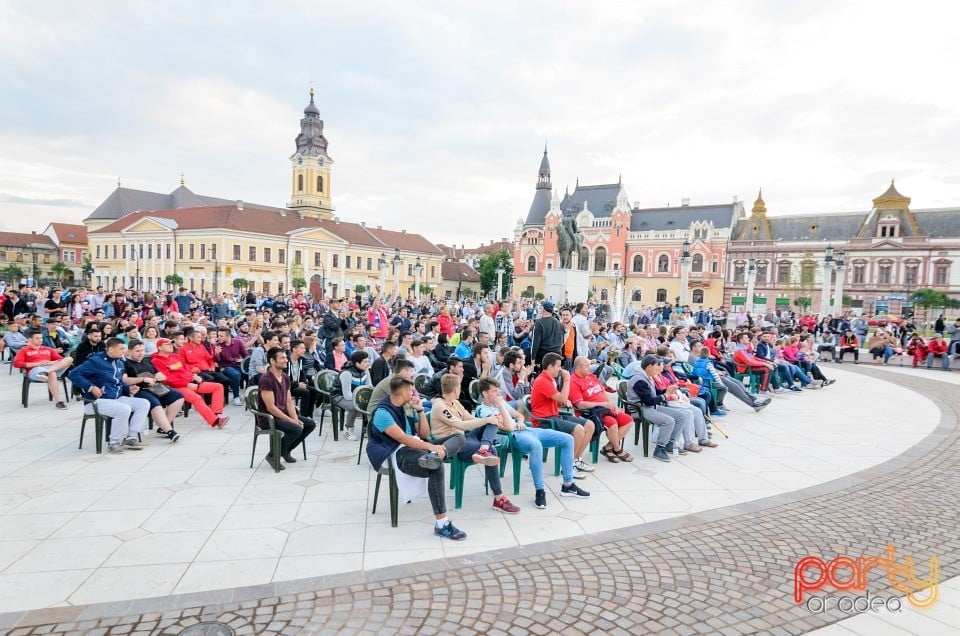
(937, 348)
(190, 384)
(654, 407)
(547, 334)
(91, 343)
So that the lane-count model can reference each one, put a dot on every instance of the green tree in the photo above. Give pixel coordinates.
(466, 292)
(59, 271)
(526, 293)
(86, 265)
(487, 266)
(933, 299)
(13, 274)
(298, 283)
(360, 288)
(174, 280)
(241, 283)
(538, 296)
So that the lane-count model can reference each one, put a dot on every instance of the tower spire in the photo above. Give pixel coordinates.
(543, 176)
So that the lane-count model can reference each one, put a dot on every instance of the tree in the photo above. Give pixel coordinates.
(360, 288)
(487, 266)
(467, 292)
(526, 293)
(13, 274)
(538, 296)
(933, 299)
(87, 266)
(298, 282)
(803, 302)
(174, 280)
(241, 283)
(59, 271)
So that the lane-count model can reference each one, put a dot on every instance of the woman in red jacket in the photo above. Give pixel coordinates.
(445, 322)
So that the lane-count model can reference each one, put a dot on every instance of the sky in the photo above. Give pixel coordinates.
(437, 113)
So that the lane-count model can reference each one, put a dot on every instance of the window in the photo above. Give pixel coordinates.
(299, 185)
(336, 260)
(149, 250)
(761, 273)
(203, 250)
(252, 253)
(433, 271)
(883, 275)
(114, 251)
(369, 263)
(281, 256)
(168, 252)
(266, 285)
(697, 263)
(236, 252)
(738, 273)
(410, 270)
(46, 258)
(320, 183)
(317, 259)
(713, 266)
(123, 250)
(98, 251)
(600, 260)
(783, 273)
(859, 274)
(180, 250)
(267, 255)
(697, 297)
(636, 296)
(663, 266)
(298, 258)
(213, 250)
(638, 263)
(910, 275)
(192, 255)
(661, 295)
(941, 274)
(348, 261)
(807, 272)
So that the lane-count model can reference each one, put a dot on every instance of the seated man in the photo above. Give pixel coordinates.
(275, 398)
(695, 430)
(418, 357)
(655, 407)
(704, 368)
(403, 368)
(302, 385)
(190, 384)
(91, 343)
(228, 353)
(15, 337)
(848, 342)
(52, 337)
(43, 364)
(100, 378)
(68, 330)
(396, 434)
(937, 348)
(747, 362)
(198, 359)
(828, 344)
(165, 403)
(531, 441)
(448, 417)
(587, 394)
(545, 402)
(513, 377)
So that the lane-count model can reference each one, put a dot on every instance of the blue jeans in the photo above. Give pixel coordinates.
(794, 370)
(233, 374)
(532, 442)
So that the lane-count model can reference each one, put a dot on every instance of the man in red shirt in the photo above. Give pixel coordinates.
(936, 348)
(747, 362)
(42, 364)
(545, 402)
(184, 380)
(199, 359)
(586, 393)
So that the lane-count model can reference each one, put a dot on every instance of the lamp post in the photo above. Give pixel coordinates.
(136, 263)
(382, 266)
(417, 271)
(684, 272)
(751, 282)
(397, 261)
(216, 273)
(825, 290)
(838, 291)
(500, 273)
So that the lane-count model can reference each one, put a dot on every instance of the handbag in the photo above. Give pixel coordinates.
(158, 390)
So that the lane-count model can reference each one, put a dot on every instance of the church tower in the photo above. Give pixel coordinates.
(310, 167)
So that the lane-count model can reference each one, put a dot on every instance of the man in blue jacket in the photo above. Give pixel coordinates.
(100, 377)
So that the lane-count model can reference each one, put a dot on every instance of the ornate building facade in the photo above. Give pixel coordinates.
(638, 250)
(139, 238)
(886, 254)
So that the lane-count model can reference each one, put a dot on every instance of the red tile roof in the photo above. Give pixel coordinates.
(453, 270)
(452, 251)
(70, 233)
(19, 239)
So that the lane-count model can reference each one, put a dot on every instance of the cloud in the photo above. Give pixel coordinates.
(65, 203)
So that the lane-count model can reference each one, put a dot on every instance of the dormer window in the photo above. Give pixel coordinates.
(888, 227)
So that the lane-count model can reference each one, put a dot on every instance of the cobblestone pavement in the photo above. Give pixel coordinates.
(726, 571)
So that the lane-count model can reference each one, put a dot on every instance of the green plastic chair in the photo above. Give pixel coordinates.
(641, 424)
(361, 397)
(251, 399)
(326, 382)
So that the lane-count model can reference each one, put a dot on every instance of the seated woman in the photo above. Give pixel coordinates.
(448, 418)
(355, 374)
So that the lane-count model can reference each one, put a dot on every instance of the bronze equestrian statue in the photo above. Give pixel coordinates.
(569, 241)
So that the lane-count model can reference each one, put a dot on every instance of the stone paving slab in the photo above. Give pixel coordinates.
(722, 571)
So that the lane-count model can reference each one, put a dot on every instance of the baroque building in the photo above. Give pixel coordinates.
(625, 246)
(887, 253)
(139, 238)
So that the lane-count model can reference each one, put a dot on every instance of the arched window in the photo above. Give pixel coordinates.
(319, 184)
(697, 296)
(638, 263)
(661, 295)
(299, 183)
(600, 260)
(531, 263)
(584, 263)
(697, 263)
(603, 295)
(663, 265)
(636, 296)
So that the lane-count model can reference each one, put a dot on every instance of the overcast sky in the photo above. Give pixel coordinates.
(437, 112)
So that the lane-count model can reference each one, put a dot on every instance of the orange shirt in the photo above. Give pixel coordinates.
(570, 343)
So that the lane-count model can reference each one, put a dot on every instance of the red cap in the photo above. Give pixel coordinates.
(163, 341)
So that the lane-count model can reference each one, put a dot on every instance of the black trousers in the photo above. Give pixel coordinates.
(294, 435)
(309, 398)
(219, 378)
(408, 462)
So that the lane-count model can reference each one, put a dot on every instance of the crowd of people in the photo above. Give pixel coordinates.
(537, 373)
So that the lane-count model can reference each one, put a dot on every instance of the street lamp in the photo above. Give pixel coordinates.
(838, 291)
(216, 273)
(500, 272)
(684, 272)
(136, 262)
(751, 282)
(397, 261)
(382, 263)
(825, 290)
(417, 270)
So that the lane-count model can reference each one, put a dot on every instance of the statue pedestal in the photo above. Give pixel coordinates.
(567, 285)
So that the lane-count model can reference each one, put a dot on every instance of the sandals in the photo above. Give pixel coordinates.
(624, 456)
(610, 454)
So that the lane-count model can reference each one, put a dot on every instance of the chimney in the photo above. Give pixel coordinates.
(239, 205)
(301, 215)
(363, 224)
(736, 198)
(403, 231)
(379, 227)
(636, 205)
(685, 203)
(283, 212)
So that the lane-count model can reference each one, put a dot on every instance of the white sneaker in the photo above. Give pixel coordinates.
(579, 464)
(350, 435)
(236, 401)
(579, 474)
